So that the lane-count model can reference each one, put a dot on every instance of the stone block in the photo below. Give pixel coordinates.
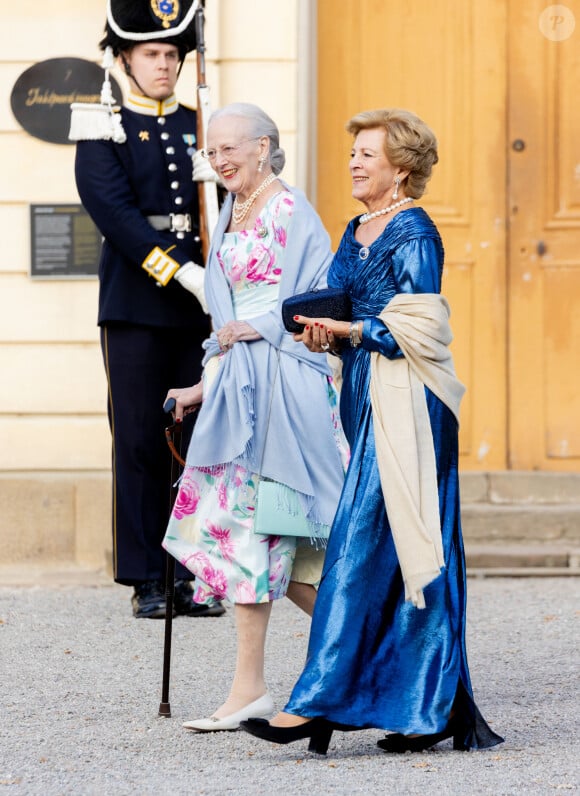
(53, 443)
(93, 521)
(51, 574)
(534, 487)
(36, 31)
(16, 253)
(272, 23)
(492, 523)
(502, 556)
(474, 487)
(58, 311)
(34, 171)
(238, 79)
(38, 520)
(81, 387)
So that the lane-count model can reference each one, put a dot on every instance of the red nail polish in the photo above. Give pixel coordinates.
(307, 328)
(296, 317)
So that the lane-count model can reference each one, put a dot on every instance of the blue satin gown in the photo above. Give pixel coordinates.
(373, 659)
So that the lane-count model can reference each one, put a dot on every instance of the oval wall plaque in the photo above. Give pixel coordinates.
(42, 95)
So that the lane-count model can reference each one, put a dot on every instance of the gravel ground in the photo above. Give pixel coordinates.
(81, 685)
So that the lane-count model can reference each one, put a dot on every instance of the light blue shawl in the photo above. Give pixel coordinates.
(299, 449)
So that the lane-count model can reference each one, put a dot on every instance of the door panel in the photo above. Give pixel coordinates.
(445, 61)
(544, 251)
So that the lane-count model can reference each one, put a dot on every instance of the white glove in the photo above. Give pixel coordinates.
(202, 171)
(191, 277)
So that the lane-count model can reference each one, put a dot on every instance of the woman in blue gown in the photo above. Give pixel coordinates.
(376, 656)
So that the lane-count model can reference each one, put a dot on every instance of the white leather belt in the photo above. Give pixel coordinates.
(174, 222)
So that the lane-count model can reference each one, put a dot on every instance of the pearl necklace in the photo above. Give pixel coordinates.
(241, 210)
(366, 217)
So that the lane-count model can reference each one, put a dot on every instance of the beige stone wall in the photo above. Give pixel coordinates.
(54, 438)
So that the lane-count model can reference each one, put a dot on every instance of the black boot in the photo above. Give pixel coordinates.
(148, 600)
(184, 605)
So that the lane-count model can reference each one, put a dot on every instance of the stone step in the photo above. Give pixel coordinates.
(526, 523)
(523, 557)
(520, 487)
(483, 561)
(63, 519)
(52, 574)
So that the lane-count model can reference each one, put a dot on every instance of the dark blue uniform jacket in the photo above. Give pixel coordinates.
(120, 185)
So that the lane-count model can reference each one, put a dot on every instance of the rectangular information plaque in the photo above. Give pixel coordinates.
(64, 242)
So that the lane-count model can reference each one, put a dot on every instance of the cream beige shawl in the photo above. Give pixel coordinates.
(419, 322)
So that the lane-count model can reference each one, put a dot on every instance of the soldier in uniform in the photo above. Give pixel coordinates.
(136, 184)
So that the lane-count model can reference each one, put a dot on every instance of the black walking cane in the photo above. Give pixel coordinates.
(173, 437)
(209, 210)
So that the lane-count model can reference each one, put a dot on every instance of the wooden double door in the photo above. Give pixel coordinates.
(498, 82)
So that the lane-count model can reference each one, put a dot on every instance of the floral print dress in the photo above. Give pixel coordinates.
(210, 530)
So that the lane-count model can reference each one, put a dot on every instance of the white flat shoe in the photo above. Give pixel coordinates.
(259, 709)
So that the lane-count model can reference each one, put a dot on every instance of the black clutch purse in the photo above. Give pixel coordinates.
(331, 302)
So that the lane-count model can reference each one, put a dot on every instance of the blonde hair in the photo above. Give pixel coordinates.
(409, 143)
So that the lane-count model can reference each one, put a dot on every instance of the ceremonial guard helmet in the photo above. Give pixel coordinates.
(131, 22)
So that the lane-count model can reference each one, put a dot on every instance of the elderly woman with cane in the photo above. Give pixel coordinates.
(269, 409)
(398, 662)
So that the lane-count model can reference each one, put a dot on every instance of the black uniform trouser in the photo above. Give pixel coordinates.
(142, 363)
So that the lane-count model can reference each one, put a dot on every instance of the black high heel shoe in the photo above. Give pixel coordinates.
(318, 730)
(397, 743)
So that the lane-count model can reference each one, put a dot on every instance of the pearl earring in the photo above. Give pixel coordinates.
(261, 162)
(397, 183)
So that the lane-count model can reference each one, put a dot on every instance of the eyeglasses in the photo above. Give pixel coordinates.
(227, 151)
